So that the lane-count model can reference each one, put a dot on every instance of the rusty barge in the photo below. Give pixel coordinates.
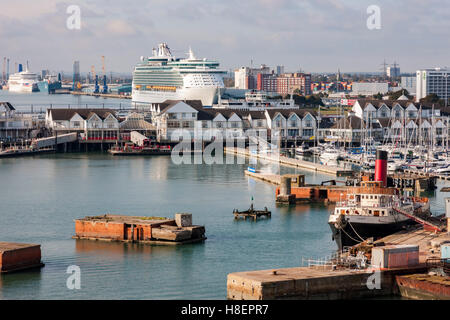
(134, 229)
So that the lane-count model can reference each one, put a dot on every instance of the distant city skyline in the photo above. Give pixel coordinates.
(319, 36)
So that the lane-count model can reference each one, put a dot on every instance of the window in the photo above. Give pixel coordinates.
(76, 124)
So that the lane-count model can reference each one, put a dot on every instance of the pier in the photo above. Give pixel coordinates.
(291, 162)
(103, 95)
(329, 281)
(310, 283)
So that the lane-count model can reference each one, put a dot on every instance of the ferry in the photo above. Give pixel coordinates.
(373, 210)
(23, 81)
(164, 77)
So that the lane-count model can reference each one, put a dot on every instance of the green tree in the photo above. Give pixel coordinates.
(432, 99)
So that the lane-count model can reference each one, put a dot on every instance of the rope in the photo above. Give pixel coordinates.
(350, 236)
(355, 231)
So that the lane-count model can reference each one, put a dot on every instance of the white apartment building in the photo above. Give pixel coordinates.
(369, 88)
(410, 84)
(433, 81)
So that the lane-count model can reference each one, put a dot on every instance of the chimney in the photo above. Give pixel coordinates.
(381, 167)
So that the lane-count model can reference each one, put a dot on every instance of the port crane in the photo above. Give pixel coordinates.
(105, 86)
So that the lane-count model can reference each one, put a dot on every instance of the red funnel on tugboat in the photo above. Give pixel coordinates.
(381, 167)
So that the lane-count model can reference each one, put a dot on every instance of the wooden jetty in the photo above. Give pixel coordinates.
(291, 162)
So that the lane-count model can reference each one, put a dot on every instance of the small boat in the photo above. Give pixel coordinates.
(304, 150)
(330, 155)
(252, 213)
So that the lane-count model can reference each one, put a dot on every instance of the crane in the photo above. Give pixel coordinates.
(4, 70)
(103, 66)
(105, 86)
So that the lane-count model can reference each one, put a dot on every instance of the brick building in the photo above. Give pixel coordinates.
(285, 84)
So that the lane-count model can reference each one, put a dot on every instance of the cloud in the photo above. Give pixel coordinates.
(318, 35)
(120, 27)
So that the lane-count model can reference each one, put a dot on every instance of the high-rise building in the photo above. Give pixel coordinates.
(393, 72)
(280, 70)
(431, 81)
(246, 78)
(76, 72)
(410, 84)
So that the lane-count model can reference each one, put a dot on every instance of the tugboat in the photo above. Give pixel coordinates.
(252, 213)
(373, 210)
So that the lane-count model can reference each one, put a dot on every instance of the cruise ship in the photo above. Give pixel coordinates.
(164, 77)
(24, 81)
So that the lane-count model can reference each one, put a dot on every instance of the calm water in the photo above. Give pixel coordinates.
(40, 101)
(41, 196)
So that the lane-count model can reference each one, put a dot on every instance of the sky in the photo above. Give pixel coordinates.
(308, 35)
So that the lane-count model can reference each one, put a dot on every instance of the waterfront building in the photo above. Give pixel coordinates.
(404, 118)
(92, 124)
(433, 81)
(292, 124)
(136, 122)
(197, 121)
(14, 126)
(350, 130)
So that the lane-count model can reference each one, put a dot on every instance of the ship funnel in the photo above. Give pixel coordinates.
(381, 167)
(20, 67)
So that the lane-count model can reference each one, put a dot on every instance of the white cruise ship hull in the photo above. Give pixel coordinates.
(22, 88)
(206, 95)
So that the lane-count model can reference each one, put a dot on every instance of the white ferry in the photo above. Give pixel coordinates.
(25, 81)
(163, 77)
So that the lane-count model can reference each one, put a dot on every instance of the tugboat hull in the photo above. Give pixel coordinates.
(350, 234)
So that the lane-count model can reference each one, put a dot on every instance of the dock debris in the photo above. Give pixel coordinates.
(19, 256)
(252, 213)
(146, 230)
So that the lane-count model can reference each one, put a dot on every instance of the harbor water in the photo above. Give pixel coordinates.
(41, 196)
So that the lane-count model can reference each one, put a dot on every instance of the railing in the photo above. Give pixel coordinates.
(434, 263)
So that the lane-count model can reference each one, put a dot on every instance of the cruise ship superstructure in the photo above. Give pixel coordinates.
(24, 81)
(163, 77)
